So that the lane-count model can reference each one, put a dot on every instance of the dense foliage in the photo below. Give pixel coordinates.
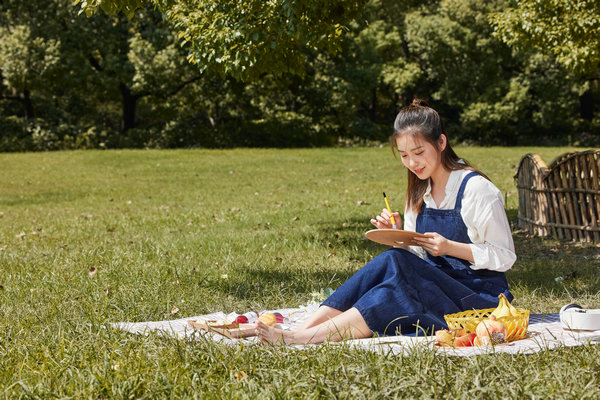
(109, 80)
(568, 29)
(246, 39)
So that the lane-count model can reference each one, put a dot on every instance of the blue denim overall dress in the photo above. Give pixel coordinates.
(399, 292)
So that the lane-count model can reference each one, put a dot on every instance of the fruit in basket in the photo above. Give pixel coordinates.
(454, 338)
(268, 319)
(515, 321)
(504, 309)
(491, 331)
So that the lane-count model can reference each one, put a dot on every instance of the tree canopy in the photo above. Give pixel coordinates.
(245, 39)
(567, 29)
(107, 81)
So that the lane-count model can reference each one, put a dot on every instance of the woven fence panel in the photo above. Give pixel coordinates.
(563, 198)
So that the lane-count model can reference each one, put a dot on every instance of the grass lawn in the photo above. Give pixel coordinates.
(89, 238)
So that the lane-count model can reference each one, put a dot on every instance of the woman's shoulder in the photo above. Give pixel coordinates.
(480, 186)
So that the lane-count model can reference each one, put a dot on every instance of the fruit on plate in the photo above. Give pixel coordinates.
(491, 331)
(504, 309)
(445, 337)
(280, 318)
(454, 338)
(466, 340)
(268, 319)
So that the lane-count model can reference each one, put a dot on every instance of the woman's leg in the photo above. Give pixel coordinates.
(323, 313)
(347, 325)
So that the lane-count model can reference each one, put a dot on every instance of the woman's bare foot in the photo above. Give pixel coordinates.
(271, 335)
(347, 325)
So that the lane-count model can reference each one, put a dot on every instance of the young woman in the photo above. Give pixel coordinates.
(460, 264)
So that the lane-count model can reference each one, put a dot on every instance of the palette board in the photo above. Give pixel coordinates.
(393, 237)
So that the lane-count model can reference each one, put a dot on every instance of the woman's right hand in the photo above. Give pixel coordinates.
(383, 221)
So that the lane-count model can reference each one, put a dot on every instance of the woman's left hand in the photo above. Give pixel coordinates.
(435, 244)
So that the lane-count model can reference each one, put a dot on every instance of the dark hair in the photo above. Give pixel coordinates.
(418, 119)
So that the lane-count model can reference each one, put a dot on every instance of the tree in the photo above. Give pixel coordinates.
(67, 80)
(567, 29)
(25, 62)
(246, 39)
(486, 92)
(88, 73)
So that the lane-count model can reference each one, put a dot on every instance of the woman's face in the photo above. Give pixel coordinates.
(420, 156)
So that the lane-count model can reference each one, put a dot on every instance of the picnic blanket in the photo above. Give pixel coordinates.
(544, 333)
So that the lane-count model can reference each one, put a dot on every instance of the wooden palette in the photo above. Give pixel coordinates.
(233, 331)
(394, 237)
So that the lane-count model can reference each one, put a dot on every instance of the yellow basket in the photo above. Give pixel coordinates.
(516, 326)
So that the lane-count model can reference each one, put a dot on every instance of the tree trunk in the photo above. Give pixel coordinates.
(25, 98)
(373, 106)
(129, 105)
(586, 105)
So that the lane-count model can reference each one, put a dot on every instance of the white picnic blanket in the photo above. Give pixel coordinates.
(545, 332)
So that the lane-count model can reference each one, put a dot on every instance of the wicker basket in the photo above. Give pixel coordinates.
(516, 326)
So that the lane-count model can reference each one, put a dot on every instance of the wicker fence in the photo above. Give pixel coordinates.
(562, 199)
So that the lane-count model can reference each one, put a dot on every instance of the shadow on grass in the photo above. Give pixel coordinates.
(41, 198)
(260, 287)
(341, 236)
(555, 265)
(350, 233)
(543, 265)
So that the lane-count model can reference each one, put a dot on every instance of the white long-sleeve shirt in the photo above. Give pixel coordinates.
(483, 213)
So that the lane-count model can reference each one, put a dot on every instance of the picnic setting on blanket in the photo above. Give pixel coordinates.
(526, 333)
(441, 283)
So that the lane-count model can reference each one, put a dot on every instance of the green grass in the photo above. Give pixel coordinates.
(89, 238)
